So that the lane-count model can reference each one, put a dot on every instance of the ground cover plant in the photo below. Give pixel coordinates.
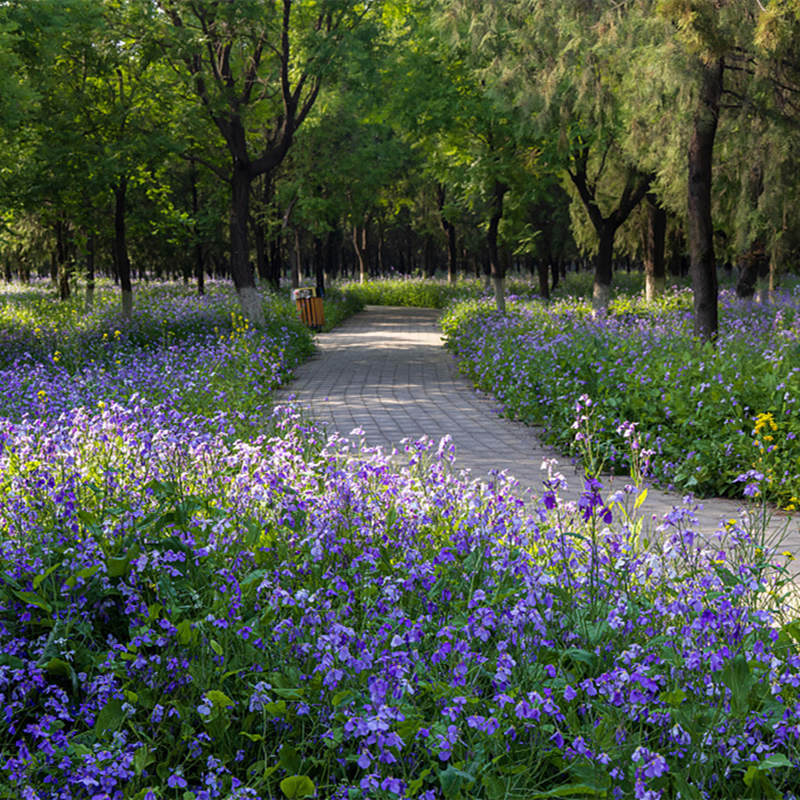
(186, 616)
(188, 353)
(707, 412)
(425, 292)
(192, 608)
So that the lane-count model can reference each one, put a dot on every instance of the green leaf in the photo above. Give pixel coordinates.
(142, 758)
(57, 666)
(110, 717)
(34, 600)
(216, 647)
(738, 678)
(220, 699)
(570, 790)
(289, 759)
(289, 694)
(298, 786)
(452, 780)
(775, 761)
(184, 632)
(495, 787)
(117, 567)
(673, 698)
(640, 499)
(37, 581)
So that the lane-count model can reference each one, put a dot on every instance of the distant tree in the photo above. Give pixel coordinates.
(256, 68)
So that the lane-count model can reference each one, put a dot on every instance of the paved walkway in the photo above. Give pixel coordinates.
(385, 371)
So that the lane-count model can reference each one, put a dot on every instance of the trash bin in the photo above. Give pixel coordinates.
(309, 307)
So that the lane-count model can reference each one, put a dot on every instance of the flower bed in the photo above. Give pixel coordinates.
(708, 412)
(187, 614)
(292, 617)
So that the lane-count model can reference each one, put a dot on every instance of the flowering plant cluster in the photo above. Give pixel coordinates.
(188, 614)
(186, 353)
(696, 406)
(185, 616)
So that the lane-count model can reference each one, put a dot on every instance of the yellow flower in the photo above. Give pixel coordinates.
(101, 405)
(56, 357)
(42, 395)
(116, 334)
(765, 420)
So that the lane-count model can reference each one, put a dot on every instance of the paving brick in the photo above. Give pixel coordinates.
(385, 370)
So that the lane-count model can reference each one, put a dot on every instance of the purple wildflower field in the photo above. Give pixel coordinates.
(194, 607)
(708, 412)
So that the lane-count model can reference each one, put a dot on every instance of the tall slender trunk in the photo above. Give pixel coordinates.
(199, 272)
(654, 239)
(63, 265)
(543, 271)
(122, 264)
(91, 249)
(362, 271)
(603, 269)
(241, 271)
(297, 264)
(703, 267)
(497, 268)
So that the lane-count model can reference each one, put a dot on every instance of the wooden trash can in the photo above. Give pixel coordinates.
(309, 308)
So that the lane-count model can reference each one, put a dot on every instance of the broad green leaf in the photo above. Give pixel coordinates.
(37, 581)
(298, 786)
(219, 699)
(289, 759)
(570, 790)
(110, 717)
(673, 698)
(774, 761)
(142, 758)
(34, 600)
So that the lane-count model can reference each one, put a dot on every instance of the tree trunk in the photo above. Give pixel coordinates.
(362, 271)
(91, 249)
(654, 240)
(297, 266)
(241, 272)
(496, 265)
(122, 264)
(63, 261)
(703, 267)
(319, 267)
(603, 268)
(198, 247)
(543, 271)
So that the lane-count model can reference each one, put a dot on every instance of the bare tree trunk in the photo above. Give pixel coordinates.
(198, 247)
(703, 267)
(362, 271)
(654, 240)
(122, 264)
(297, 265)
(91, 249)
(241, 271)
(496, 265)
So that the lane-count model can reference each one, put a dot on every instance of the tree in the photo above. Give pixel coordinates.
(256, 68)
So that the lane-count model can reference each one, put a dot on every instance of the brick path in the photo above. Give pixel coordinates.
(385, 371)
